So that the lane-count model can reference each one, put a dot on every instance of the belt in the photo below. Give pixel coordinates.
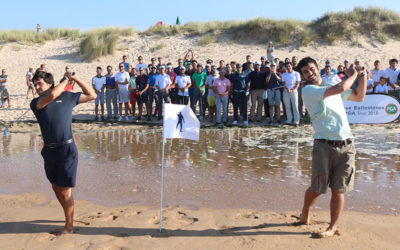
(336, 143)
(58, 144)
(240, 91)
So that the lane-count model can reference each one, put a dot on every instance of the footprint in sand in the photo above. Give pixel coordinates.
(186, 219)
(247, 215)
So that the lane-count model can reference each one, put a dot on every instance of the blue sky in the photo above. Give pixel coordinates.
(86, 14)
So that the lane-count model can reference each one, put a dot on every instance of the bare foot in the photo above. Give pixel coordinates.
(328, 233)
(59, 232)
(303, 220)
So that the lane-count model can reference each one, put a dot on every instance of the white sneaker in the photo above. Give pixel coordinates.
(126, 118)
(234, 122)
(245, 123)
(120, 118)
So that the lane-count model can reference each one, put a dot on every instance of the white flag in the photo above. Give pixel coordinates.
(180, 122)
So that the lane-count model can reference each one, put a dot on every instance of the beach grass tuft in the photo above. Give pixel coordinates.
(102, 41)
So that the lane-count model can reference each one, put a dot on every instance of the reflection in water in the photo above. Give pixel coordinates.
(121, 166)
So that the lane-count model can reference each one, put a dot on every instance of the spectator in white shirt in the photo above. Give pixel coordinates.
(382, 87)
(377, 73)
(183, 82)
(163, 83)
(329, 76)
(99, 83)
(122, 81)
(142, 65)
(291, 81)
(392, 73)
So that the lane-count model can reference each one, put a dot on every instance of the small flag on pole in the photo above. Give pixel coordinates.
(180, 122)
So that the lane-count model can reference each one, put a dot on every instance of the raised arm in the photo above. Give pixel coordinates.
(51, 95)
(88, 93)
(343, 86)
(358, 94)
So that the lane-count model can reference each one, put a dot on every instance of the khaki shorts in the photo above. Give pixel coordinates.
(211, 100)
(332, 167)
(4, 92)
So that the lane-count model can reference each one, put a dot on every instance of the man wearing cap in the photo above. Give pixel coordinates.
(163, 83)
(273, 80)
(333, 153)
(29, 83)
(257, 87)
(291, 81)
(346, 64)
(328, 63)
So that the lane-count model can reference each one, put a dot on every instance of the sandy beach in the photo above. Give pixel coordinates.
(28, 218)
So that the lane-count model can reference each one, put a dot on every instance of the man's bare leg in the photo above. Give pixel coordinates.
(337, 204)
(310, 198)
(64, 196)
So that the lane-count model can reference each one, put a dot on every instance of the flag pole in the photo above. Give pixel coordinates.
(162, 176)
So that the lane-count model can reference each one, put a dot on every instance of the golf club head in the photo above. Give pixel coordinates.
(5, 132)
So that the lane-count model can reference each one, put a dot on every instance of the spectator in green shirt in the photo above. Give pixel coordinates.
(198, 79)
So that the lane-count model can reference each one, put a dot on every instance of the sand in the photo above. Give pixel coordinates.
(27, 219)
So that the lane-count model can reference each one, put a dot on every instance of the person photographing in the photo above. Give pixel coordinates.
(53, 111)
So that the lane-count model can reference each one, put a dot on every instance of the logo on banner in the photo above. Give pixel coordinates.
(391, 109)
(374, 109)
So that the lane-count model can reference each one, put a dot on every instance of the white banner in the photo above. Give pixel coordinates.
(180, 122)
(374, 109)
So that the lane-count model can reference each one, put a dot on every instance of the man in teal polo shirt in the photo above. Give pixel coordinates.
(334, 151)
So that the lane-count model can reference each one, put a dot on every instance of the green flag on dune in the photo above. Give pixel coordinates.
(178, 22)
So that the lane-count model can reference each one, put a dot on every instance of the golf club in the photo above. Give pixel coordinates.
(5, 130)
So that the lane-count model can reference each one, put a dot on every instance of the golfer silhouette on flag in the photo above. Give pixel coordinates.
(181, 120)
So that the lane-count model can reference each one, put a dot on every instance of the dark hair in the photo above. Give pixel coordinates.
(305, 61)
(109, 66)
(47, 77)
(394, 60)
(287, 63)
(377, 61)
(98, 67)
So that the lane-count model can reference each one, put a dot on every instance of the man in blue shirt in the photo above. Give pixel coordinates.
(53, 110)
(240, 83)
(333, 153)
(111, 94)
(152, 90)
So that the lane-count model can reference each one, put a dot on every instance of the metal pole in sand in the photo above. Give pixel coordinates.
(162, 172)
(162, 183)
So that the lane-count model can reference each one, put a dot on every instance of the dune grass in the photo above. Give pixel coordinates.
(102, 41)
(373, 22)
(32, 36)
